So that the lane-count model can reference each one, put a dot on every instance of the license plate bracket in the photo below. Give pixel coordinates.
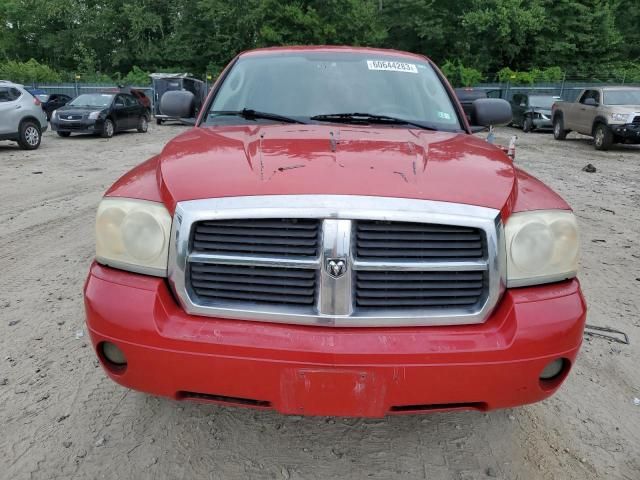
(311, 391)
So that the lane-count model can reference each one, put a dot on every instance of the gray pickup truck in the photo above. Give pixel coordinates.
(608, 114)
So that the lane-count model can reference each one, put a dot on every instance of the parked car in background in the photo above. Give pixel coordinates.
(531, 112)
(53, 102)
(142, 98)
(100, 113)
(39, 93)
(608, 114)
(139, 95)
(331, 239)
(22, 119)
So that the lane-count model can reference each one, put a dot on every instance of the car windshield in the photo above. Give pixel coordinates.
(622, 97)
(42, 97)
(542, 102)
(302, 85)
(92, 100)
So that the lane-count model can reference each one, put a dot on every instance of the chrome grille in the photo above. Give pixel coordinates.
(273, 258)
(289, 237)
(402, 240)
(240, 283)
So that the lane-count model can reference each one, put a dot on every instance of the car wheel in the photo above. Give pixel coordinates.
(63, 134)
(29, 136)
(559, 133)
(602, 137)
(159, 121)
(108, 129)
(143, 124)
(528, 125)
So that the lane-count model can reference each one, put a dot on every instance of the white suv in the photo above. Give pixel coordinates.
(21, 116)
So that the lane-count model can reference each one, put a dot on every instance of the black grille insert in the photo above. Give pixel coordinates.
(287, 237)
(248, 284)
(398, 289)
(222, 399)
(440, 406)
(417, 241)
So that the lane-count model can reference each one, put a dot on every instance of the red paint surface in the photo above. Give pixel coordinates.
(495, 364)
(284, 159)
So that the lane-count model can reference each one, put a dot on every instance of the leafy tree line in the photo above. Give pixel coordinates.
(473, 40)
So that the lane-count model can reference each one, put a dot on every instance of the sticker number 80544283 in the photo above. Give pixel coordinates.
(391, 66)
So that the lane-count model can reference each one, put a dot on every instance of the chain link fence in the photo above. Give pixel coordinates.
(567, 90)
(73, 89)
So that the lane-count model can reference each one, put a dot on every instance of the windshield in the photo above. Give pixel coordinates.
(621, 97)
(542, 102)
(307, 84)
(92, 100)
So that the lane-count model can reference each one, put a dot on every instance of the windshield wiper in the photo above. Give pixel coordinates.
(369, 118)
(250, 114)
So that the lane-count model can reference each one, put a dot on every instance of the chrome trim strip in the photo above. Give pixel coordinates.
(331, 208)
(476, 266)
(335, 294)
(250, 260)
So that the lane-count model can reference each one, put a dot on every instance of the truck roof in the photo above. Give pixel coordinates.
(613, 87)
(331, 48)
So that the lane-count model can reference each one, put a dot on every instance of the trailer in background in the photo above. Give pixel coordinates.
(165, 82)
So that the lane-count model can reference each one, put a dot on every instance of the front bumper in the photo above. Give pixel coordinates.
(542, 123)
(629, 131)
(77, 126)
(307, 370)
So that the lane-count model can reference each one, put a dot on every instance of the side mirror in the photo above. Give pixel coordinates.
(177, 104)
(591, 102)
(490, 111)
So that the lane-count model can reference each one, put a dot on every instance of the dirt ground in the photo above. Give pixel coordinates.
(61, 418)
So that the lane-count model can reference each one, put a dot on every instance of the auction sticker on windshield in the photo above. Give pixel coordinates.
(391, 66)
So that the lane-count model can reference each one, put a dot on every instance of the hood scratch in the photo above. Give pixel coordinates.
(290, 167)
(404, 177)
(334, 140)
(260, 156)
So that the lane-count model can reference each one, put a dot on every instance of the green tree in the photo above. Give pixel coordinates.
(505, 31)
(27, 72)
(580, 36)
(461, 76)
(430, 27)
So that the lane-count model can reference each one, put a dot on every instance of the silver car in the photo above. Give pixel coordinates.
(22, 119)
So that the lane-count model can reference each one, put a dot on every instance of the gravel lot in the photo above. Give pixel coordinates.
(62, 418)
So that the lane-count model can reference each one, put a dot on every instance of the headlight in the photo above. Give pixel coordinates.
(619, 117)
(542, 247)
(94, 115)
(133, 235)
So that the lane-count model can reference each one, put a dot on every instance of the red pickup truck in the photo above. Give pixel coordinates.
(331, 239)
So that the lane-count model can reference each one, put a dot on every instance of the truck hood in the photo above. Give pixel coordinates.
(334, 159)
(629, 109)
